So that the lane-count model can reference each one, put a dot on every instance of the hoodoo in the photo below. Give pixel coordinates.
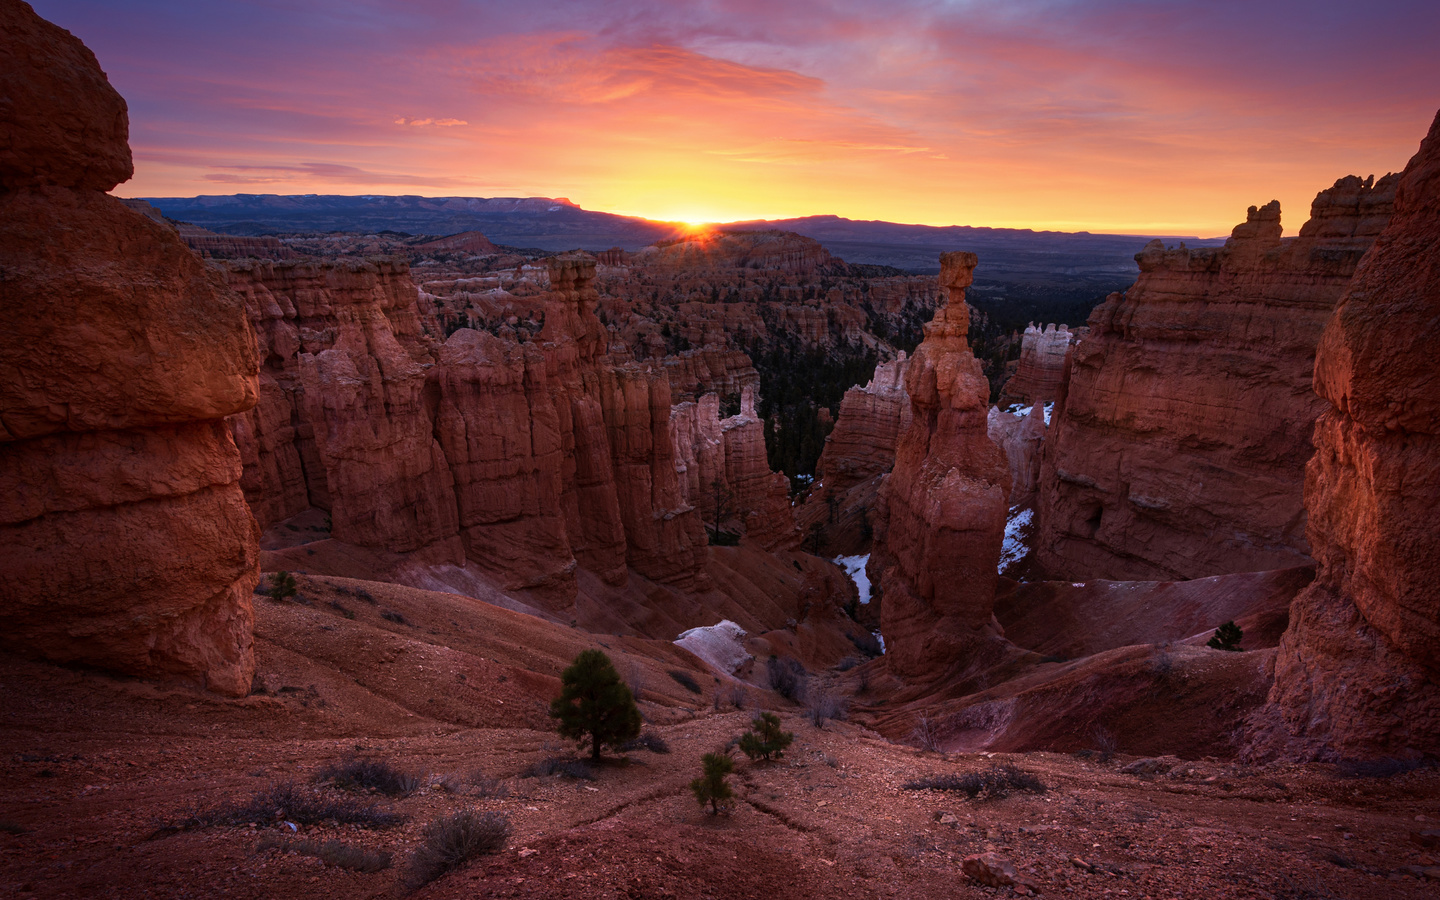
(941, 512)
(125, 541)
(1186, 425)
(1358, 671)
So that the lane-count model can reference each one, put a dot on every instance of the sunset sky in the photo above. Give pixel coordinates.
(1158, 117)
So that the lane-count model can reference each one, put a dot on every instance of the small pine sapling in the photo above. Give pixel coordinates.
(1226, 637)
(765, 739)
(711, 787)
(595, 703)
(283, 586)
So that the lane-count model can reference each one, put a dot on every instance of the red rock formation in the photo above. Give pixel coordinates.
(1357, 672)
(1045, 359)
(1021, 439)
(941, 513)
(342, 422)
(731, 451)
(1187, 423)
(858, 452)
(124, 538)
(711, 369)
(471, 242)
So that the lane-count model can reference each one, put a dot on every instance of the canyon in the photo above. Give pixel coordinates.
(477, 460)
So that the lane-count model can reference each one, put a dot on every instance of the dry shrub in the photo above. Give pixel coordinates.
(456, 839)
(332, 853)
(559, 765)
(992, 784)
(288, 802)
(355, 774)
(648, 740)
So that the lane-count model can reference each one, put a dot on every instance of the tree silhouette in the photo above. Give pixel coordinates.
(595, 703)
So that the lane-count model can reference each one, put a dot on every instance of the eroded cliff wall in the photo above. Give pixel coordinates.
(125, 542)
(1358, 671)
(1186, 428)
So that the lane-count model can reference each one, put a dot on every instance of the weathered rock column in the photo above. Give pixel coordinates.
(125, 541)
(941, 512)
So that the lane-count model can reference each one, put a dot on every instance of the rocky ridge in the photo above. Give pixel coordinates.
(1356, 673)
(1186, 424)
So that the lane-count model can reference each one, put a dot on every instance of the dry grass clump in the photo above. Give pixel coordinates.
(648, 740)
(454, 840)
(993, 784)
(559, 765)
(332, 853)
(355, 774)
(289, 802)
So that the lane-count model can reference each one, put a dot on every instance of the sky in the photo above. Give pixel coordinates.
(1110, 116)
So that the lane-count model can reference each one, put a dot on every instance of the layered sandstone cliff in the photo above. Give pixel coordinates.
(1021, 439)
(1187, 423)
(1358, 671)
(721, 462)
(125, 542)
(858, 452)
(941, 512)
(528, 452)
(1046, 355)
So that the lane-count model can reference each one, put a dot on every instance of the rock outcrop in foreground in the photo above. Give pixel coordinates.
(1186, 428)
(941, 512)
(125, 541)
(1358, 671)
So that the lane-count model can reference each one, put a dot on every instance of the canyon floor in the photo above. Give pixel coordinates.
(102, 774)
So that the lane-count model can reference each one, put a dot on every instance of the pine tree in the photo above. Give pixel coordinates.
(711, 787)
(765, 739)
(282, 586)
(595, 703)
(1226, 637)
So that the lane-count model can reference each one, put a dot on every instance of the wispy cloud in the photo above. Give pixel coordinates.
(1107, 114)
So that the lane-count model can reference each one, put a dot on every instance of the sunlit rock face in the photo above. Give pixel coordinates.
(941, 512)
(1187, 418)
(125, 541)
(1045, 358)
(1358, 671)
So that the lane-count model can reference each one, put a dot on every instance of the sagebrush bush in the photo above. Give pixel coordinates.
(559, 765)
(454, 840)
(822, 704)
(356, 774)
(685, 680)
(648, 740)
(331, 853)
(288, 802)
(993, 784)
(786, 676)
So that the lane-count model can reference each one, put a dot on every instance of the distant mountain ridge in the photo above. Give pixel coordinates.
(1007, 255)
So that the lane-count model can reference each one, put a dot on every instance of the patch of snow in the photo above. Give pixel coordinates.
(881, 638)
(1014, 549)
(1049, 406)
(854, 566)
(721, 645)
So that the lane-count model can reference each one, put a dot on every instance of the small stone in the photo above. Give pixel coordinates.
(989, 869)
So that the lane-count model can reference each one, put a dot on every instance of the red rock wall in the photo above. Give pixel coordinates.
(1358, 671)
(342, 423)
(1045, 360)
(1186, 427)
(941, 513)
(125, 542)
(731, 451)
